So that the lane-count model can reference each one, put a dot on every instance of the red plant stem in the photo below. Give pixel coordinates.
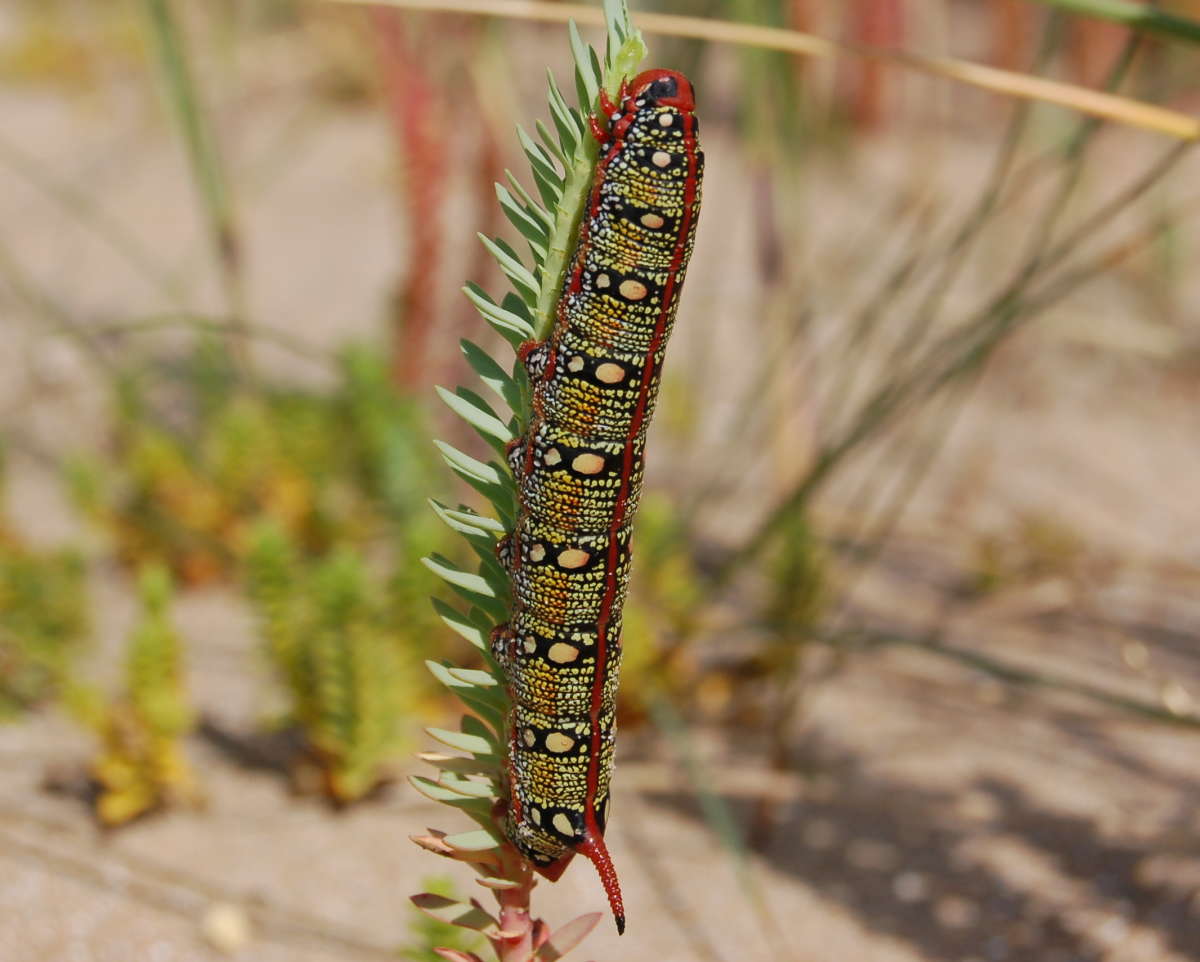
(519, 931)
(876, 23)
(416, 109)
(1012, 30)
(489, 167)
(1094, 47)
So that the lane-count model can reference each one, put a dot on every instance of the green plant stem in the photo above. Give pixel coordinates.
(205, 161)
(1041, 236)
(1138, 16)
(964, 350)
(1014, 674)
(953, 257)
(217, 325)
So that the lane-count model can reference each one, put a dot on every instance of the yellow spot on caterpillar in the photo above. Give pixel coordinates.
(633, 290)
(575, 364)
(653, 221)
(610, 373)
(665, 120)
(530, 644)
(537, 552)
(573, 558)
(588, 463)
(660, 158)
(563, 654)
(563, 824)
(529, 737)
(536, 815)
(552, 457)
(558, 742)
(602, 281)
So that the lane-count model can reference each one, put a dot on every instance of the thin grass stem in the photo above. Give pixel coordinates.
(1122, 110)
(204, 161)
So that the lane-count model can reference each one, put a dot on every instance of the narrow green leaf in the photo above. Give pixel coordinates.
(465, 464)
(484, 420)
(473, 676)
(524, 281)
(491, 712)
(442, 673)
(461, 624)
(585, 66)
(526, 223)
(468, 787)
(569, 131)
(457, 763)
(490, 570)
(447, 796)
(613, 21)
(517, 306)
(462, 741)
(481, 840)
(551, 144)
(531, 205)
(496, 609)
(504, 320)
(477, 520)
(452, 574)
(597, 70)
(550, 193)
(491, 373)
(540, 161)
(455, 523)
(491, 701)
(474, 727)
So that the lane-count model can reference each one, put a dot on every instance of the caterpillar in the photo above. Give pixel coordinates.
(578, 468)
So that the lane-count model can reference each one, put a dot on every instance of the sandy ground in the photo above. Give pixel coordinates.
(936, 815)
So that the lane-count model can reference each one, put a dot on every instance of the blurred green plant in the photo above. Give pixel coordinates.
(336, 469)
(1032, 547)
(343, 663)
(43, 618)
(661, 610)
(141, 766)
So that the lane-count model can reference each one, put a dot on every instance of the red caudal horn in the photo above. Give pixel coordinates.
(595, 849)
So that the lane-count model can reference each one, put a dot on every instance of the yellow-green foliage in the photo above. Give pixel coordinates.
(43, 620)
(665, 595)
(797, 590)
(141, 765)
(1033, 547)
(329, 469)
(349, 683)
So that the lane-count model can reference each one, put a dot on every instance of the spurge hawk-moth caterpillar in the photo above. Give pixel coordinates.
(578, 469)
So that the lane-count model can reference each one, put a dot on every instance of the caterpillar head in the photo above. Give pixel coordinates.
(668, 88)
(653, 88)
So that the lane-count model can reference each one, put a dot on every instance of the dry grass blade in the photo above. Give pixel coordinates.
(1123, 110)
